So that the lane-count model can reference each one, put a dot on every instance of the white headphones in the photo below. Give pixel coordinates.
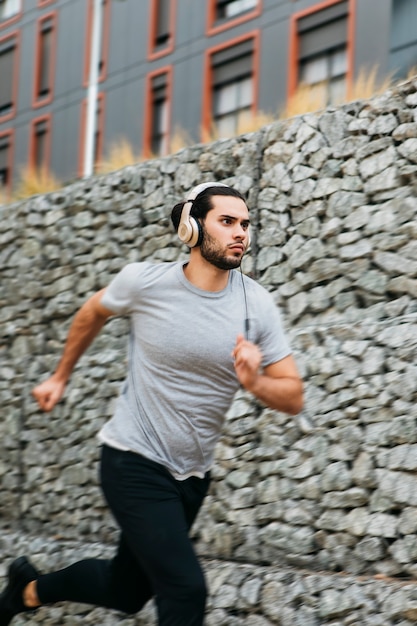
(189, 229)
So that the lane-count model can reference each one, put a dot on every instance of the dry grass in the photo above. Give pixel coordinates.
(252, 123)
(304, 100)
(412, 72)
(180, 139)
(367, 84)
(247, 124)
(4, 195)
(33, 182)
(120, 155)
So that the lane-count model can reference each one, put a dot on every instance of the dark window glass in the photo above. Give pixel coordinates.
(40, 143)
(7, 62)
(44, 83)
(159, 136)
(4, 161)
(162, 34)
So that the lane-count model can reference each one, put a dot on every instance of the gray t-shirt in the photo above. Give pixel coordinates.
(181, 380)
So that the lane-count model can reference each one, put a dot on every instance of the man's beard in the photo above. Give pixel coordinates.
(211, 252)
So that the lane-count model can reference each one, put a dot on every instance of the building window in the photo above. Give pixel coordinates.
(403, 38)
(104, 41)
(322, 45)
(40, 144)
(8, 76)
(162, 27)
(232, 97)
(45, 60)
(158, 109)
(9, 9)
(5, 160)
(224, 14)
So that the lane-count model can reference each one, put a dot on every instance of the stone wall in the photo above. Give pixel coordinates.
(310, 520)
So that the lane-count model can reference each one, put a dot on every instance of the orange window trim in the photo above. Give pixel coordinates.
(208, 76)
(153, 53)
(39, 102)
(16, 36)
(10, 156)
(294, 43)
(213, 29)
(32, 140)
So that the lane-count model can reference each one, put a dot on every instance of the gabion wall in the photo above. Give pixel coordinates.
(310, 520)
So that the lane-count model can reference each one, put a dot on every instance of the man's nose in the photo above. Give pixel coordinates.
(240, 232)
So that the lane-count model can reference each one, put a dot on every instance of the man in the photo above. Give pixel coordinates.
(199, 330)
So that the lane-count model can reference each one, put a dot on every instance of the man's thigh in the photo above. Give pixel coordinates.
(150, 508)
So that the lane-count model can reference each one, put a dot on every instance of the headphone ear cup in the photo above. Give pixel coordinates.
(197, 233)
(190, 231)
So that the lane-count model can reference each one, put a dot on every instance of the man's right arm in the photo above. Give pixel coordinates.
(86, 325)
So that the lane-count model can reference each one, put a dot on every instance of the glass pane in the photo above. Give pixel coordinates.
(239, 6)
(4, 148)
(8, 8)
(44, 83)
(159, 140)
(232, 97)
(245, 93)
(314, 70)
(337, 90)
(40, 144)
(225, 99)
(226, 126)
(6, 79)
(338, 63)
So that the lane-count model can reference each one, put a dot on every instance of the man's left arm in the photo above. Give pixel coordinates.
(278, 385)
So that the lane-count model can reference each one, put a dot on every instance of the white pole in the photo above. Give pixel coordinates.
(93, 88)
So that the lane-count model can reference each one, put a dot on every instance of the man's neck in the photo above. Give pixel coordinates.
(206, 276)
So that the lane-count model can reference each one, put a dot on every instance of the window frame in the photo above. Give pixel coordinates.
(207, 117)
(155, 52)
(149, 111)
(39, 101)
(47, 119)
(10, 156)
(294, 43)
(14, 18)
(16, 74)
(214, 26)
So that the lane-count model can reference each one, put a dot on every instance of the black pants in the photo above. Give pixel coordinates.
(155, 556)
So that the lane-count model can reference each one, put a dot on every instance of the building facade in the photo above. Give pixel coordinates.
(177, 66)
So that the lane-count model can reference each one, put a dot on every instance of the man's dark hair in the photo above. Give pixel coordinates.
(203, 203)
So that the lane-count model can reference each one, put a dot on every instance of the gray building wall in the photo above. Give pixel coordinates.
(384, 36)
